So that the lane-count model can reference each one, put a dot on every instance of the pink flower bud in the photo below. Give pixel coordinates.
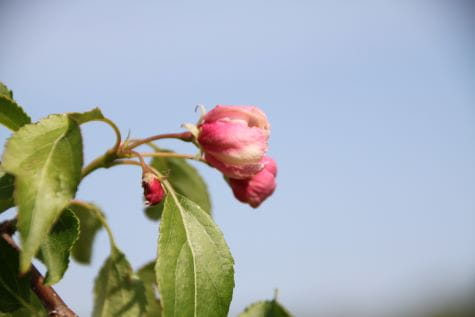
(152, 189)
(256, 189)
(234, 139)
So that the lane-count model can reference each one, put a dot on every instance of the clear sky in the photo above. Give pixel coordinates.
(372, 106)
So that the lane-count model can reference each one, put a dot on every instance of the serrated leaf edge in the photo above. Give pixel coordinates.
(15, 104)
(24, 267)
(182, 213)
(68, 260)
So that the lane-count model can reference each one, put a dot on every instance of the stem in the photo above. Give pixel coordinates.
(102, 161)
(117, 134)
(170, 154)
(145, 167)
(51, 301)
(185, 136)
(108, 157)
(132, 162)
(125, 162)
(167, 184)
(111, 155)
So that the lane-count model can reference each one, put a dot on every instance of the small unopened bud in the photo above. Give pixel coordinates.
(152, 189)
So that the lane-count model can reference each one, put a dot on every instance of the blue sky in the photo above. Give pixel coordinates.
(372, 106)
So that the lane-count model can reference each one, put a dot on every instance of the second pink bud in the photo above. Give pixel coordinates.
(256, 189)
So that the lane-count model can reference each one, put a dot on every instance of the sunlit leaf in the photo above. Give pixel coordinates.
(46, 160)
(83, 117)
(194, 268)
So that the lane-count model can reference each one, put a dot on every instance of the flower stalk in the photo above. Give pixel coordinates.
(124, 150)
(184, 136)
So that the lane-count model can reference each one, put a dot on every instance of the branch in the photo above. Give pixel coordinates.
(47, 295)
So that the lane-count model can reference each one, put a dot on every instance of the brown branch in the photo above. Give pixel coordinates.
(47, 295)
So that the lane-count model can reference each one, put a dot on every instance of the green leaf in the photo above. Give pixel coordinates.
(269, 308)
(46, 160)
(195, 268)
(55, 249)
(6, 190)
(89, 225)
(4, 91)
(155, 212)
(186, 181)
(16, 297)
(118, 292)
(24, 312)
(14, 290)
(147, 275)
(83, 117)
(11, 114)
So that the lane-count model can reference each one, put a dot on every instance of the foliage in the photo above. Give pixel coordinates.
(269, 308)
(185, 180)
(16, 296)
(195, 268)
(40, 171)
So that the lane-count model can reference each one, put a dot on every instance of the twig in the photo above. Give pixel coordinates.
(184, 136)
(47, 295)
(171, 154)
